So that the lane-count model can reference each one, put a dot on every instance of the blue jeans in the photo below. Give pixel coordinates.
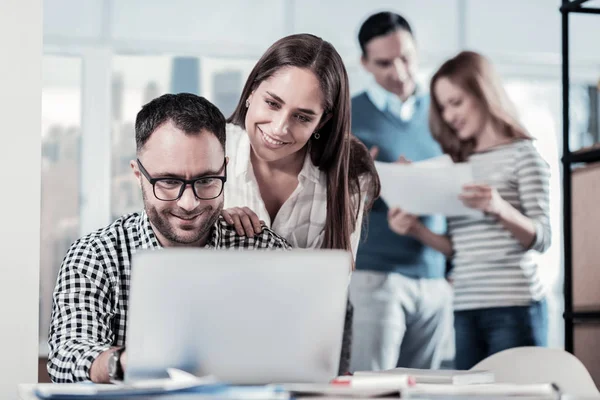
(483, 332)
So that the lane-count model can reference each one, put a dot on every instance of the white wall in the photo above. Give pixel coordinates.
(521, 37)
(20, 110)
(434, 22)
(515, 30)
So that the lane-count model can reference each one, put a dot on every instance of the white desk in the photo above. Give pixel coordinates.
(26, 392)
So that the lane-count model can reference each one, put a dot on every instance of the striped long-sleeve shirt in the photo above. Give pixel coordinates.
(491, 267)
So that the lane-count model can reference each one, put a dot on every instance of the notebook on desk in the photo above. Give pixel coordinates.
(492, 391)
(440, 376)
(246, 317)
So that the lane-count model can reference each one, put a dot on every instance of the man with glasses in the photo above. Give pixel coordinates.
(181, 169)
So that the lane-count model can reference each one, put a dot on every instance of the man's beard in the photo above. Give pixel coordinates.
(160, 221)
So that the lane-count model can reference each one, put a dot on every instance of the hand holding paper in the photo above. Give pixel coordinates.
(425, 188)
(482, 197)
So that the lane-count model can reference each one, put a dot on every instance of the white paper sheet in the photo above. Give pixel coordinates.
(441, 161)
(441, 376)
(515, 391)
(426, 188)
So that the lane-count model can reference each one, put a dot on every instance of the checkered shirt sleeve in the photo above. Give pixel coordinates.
(82, 306)
(91, 296)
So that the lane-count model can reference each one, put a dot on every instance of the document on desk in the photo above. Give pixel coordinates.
(86, 390)
(178, 383)
(534, 391)
(367, 386)
(426, 188)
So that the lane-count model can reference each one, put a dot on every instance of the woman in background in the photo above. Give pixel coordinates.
(499, 299)
(293, 163)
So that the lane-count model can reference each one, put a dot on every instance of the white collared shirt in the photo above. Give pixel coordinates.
(301, 219)
(386, 101)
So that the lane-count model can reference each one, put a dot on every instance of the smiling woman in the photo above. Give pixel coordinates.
(294, 164)
(499, 297)
(290, 138)
(279, 130)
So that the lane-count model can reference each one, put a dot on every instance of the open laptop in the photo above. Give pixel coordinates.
(246, 317)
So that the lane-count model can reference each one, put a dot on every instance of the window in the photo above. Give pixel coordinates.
(136, 80)
(61, 137)
(539, 107)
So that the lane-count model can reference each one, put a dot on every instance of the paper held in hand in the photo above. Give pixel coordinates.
(426, 188)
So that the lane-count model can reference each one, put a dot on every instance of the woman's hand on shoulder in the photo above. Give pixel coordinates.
(244, 220)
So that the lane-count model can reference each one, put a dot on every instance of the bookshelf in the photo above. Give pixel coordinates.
(582, 321)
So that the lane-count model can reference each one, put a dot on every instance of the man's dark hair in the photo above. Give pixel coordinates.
(381, 24)
(190, 113)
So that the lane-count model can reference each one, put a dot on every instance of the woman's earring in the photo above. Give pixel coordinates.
(247, 103)
(317, 135)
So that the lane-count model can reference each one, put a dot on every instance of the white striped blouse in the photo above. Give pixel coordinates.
(491, 267)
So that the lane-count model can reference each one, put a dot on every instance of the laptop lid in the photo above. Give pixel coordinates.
(247, 317)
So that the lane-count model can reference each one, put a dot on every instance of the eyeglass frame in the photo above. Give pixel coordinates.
(185, 182)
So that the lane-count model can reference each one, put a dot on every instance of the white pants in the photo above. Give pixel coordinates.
(399, 321)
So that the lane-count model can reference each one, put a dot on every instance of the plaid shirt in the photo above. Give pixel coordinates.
(91, 296)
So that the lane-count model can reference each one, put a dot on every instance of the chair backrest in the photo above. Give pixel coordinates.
(541, 365)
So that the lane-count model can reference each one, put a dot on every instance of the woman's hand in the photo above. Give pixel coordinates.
(484, 198)
(244, 220)
(402, 222)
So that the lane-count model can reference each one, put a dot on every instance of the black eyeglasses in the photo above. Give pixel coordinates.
(171, 189)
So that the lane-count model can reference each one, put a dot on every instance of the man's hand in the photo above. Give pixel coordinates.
(124, 360)
(99, 369)
(402, 222)
(374, 152)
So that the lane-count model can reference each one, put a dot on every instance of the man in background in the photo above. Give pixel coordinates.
(402, 302)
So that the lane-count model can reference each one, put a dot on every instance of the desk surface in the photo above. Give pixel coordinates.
(26, 392)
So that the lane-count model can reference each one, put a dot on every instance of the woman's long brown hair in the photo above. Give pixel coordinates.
(337, 152)
(474, 74)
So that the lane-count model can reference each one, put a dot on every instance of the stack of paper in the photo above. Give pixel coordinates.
(487, 391)
(448, 384)
(444, 376)
(367, 386)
